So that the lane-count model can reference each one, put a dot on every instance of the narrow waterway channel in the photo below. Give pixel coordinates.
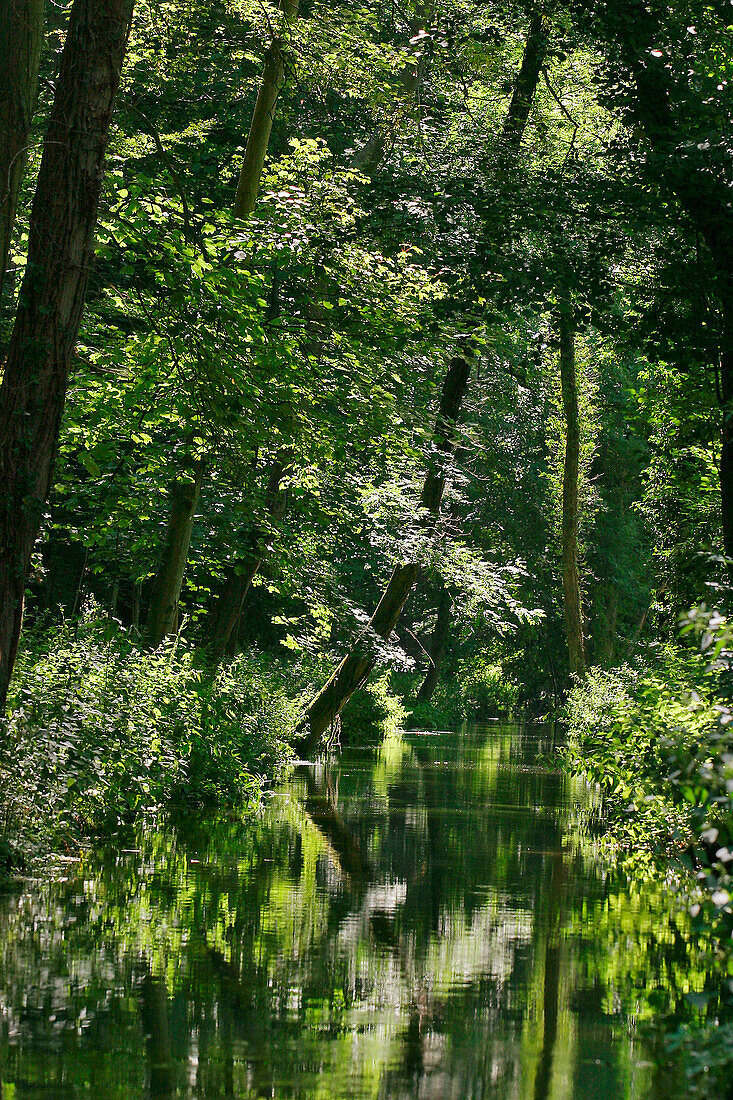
(427, 920)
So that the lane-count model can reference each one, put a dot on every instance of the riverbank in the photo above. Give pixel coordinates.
(102, 734)
(655, 736)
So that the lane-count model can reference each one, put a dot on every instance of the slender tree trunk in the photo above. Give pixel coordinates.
(438, 647)
(21, 38)
(570, 481)
(60, 248)
(258, 139)
(237, 582)
(726, 397)
(163, 614)
(358, 664)
(525, 86)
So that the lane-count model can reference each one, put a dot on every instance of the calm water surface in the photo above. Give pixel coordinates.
(430, 920)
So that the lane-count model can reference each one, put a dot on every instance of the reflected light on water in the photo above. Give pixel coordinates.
(428, 921)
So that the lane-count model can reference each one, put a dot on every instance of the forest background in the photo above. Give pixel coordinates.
(426, 309)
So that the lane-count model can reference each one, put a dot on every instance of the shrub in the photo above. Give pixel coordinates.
(656, 737)
(101, 733)
(478, 691)
(372, 712)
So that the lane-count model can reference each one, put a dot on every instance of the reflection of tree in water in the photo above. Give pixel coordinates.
(418, 923)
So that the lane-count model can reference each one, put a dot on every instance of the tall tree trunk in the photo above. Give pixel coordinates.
(273, 79)
(726, 397)
(60, 248)
(163, 613)
(359, 662)
(438, 647)
(570, 480)
(21, 38)
(237, 582)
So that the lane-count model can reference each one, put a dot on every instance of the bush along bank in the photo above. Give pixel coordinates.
(101, 734)
(479, 691)
(657, 736)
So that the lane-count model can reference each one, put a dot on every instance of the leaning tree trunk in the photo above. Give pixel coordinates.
(273, 79)
(51, 302)
(525, 87)
(163, 613)
(21, 38)
(571, 474)
(438, 647)
(237, 582)
(358, 664)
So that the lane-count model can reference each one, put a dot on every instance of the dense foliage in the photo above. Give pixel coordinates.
(436, 427)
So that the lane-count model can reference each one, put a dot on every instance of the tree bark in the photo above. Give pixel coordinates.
(237, 581)
(570, 480)
(355, 668)
(438, 647)
(51, 302)
(163, 613)
(21, 38)
(533, 58)
(258, 139)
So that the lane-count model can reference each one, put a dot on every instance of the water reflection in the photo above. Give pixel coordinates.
(430, 921)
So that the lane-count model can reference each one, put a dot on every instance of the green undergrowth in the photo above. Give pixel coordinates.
(373, 712)
(479, 691)
(656, 736)
(101, 733)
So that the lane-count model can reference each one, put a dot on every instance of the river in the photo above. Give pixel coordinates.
(431, 919)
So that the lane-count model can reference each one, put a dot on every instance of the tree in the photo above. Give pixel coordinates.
(671, 72)
(46, 327)
(21, 38)
(571, 469)
(324, 709)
